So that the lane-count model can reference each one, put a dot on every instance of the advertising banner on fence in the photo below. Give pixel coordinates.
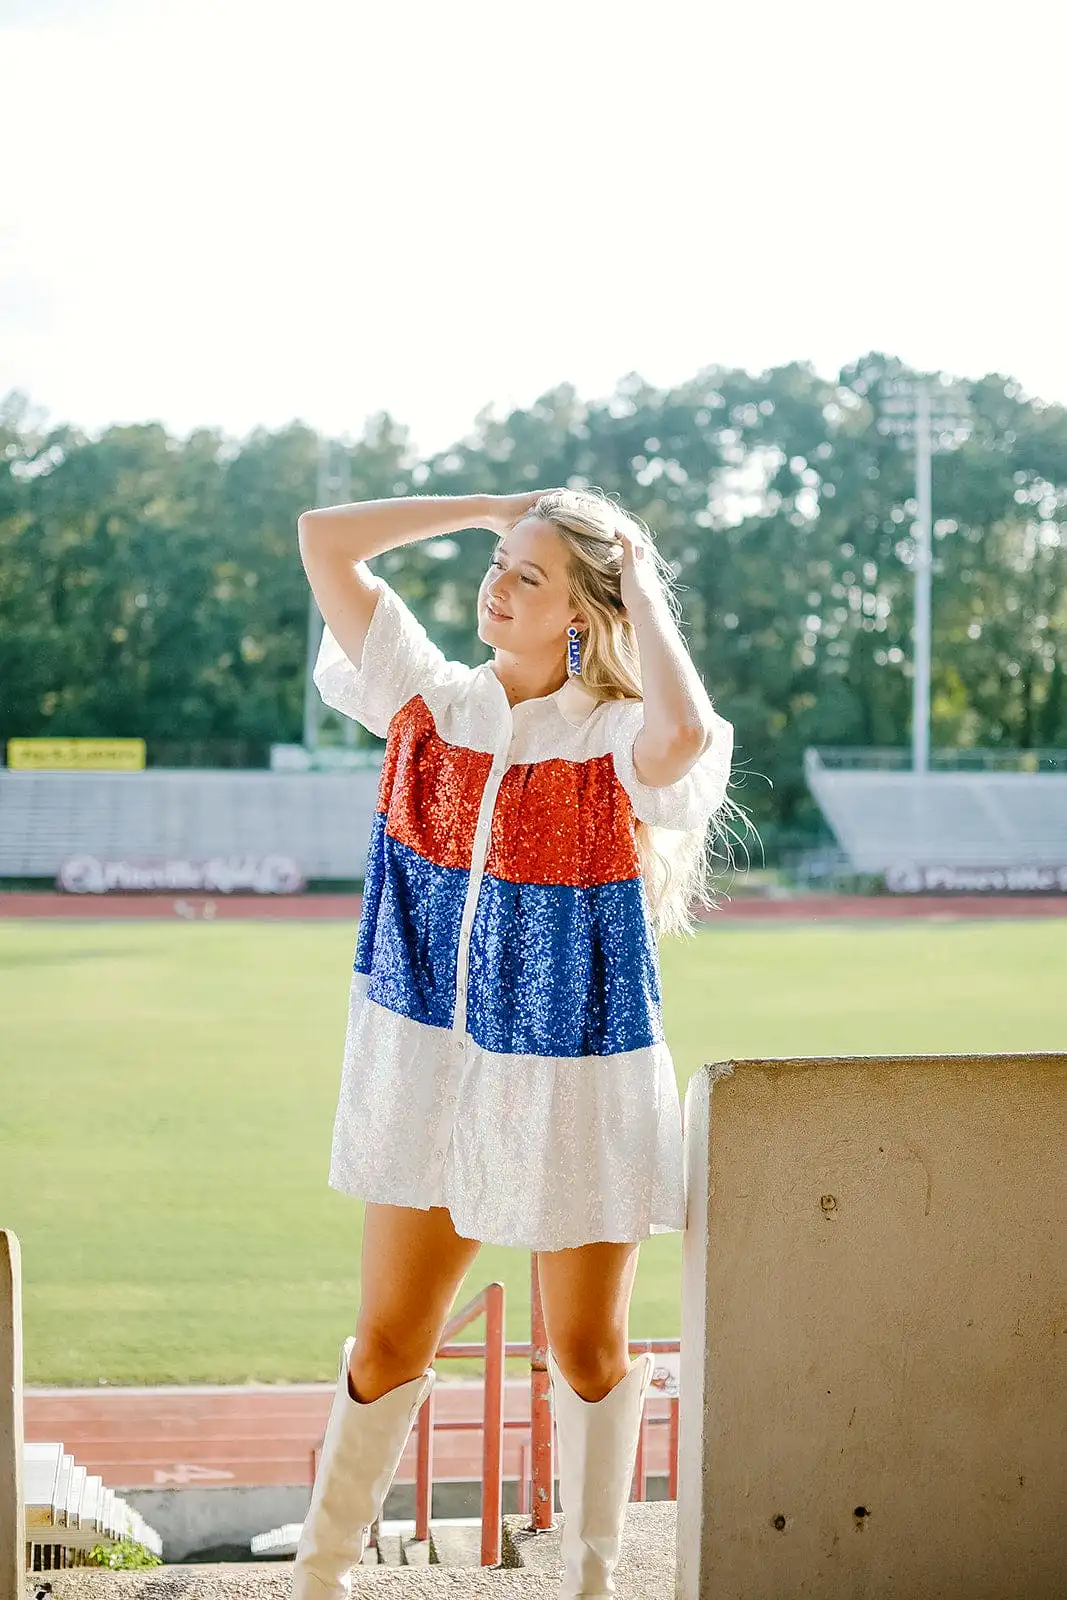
(76, 755)
(976, 880)
(85, 874)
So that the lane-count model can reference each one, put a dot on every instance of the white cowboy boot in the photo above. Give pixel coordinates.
(360, 1454)
(597, 1447)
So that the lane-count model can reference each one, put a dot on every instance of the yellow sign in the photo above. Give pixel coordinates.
(76, 755)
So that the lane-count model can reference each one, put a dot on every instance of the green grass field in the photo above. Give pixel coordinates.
(167, 1105)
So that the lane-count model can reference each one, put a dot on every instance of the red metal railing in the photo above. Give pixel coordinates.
(541, 1473)
(491, 1301)
(536, 1471)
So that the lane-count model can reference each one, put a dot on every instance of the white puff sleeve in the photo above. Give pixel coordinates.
(693, 799)
(399, 661)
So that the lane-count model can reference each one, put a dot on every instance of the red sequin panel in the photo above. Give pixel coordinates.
(563, 822)
(430, 790)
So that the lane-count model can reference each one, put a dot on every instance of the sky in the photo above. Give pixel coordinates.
(241, 213)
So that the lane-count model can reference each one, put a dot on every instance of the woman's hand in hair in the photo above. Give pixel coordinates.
(637, 580)
(505, 510)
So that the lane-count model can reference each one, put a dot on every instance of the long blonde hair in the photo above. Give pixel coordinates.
(679, 867)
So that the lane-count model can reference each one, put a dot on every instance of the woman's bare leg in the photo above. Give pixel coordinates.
(413, 1265)
(585, 1293)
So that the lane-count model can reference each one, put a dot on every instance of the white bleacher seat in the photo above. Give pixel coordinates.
(40, 1482)
(77, 1495)
(91, 1499)
(278, 1542)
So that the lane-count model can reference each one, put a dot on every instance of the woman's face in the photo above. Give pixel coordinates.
(526, 583)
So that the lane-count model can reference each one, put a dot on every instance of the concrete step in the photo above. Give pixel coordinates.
(390, 1550)
(416, 1552)
(456, 1541)
(398, 1546)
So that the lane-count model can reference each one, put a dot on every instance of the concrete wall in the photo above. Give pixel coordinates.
(217, 1523)
(874, 1330)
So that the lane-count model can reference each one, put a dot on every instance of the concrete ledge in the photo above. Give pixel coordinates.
(273, 1581)
(530, 1570)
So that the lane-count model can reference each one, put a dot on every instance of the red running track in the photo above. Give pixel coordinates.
(345, 907)
(257, 1435)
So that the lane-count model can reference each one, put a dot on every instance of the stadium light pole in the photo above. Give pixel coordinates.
(923, 419)
(333, 489)
(920, 689)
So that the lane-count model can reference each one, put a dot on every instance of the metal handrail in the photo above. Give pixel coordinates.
(491, 1301)
(536, 1470)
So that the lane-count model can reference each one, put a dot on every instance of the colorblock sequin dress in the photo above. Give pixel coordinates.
(504, 1054)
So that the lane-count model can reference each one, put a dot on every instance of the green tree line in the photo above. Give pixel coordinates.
(152, 586)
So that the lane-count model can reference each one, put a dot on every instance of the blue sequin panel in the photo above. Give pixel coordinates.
(408, 939)
(560, 971)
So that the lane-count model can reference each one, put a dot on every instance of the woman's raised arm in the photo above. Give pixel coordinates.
(369, 527)
(336, 542)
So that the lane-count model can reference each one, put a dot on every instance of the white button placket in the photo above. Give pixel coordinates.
(457, 1041)
(482, 832)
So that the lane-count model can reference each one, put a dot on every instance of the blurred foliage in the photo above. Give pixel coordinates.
(152, 586)
(122, 1555)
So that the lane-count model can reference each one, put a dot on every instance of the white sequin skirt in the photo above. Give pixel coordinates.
(540, 1152)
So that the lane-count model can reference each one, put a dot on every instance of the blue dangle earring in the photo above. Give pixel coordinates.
(574, 653)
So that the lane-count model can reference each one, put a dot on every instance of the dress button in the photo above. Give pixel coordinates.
(451, 1099)
(438, 1154)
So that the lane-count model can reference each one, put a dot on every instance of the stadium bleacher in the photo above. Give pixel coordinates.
(885, 819)
(321, 820)
(68, 1510)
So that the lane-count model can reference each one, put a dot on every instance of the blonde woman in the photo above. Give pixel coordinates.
(540, 819)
